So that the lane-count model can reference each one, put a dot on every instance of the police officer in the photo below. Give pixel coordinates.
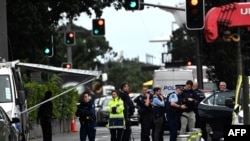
(174, 111)
(145, 111)
(128, 111)
(116, 122)
(86, 113)
(159, 114)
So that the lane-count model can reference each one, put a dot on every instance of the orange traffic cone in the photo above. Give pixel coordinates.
(73, 125)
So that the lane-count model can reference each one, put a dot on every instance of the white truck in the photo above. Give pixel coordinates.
(12, 95)
(168, 78)
(107, 89)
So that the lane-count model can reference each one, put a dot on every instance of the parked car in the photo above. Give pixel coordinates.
(8, 132)
(135, 117)
(102, 114)
(216, 113)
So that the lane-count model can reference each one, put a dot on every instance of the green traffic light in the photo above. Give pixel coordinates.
(96, 32)
(47, 51)
(132, 4)
(68, 42)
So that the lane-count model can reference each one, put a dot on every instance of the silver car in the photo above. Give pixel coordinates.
(8, 132)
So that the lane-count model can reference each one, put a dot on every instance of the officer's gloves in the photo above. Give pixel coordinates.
(114, 110)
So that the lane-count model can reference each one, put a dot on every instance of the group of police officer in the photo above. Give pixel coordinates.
(120, 109)
(178, 111)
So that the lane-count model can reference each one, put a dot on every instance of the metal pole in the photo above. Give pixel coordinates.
(245, 81)
(198, 59)
(4, 53)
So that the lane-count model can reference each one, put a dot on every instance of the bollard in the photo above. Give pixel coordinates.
(183, 138)
(198, 133)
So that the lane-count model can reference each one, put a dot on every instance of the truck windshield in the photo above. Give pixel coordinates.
(5, 91)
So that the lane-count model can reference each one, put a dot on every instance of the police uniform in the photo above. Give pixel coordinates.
(173, 115)
(158, 118)
(86, 113)
(145, 113)
(116, 122)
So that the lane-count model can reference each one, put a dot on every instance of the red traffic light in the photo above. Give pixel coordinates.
(189, 63)
(70, 38)
(67, 65)
(98, 27)
(100, 22)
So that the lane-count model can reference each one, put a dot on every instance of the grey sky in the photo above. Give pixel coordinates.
(130, 32)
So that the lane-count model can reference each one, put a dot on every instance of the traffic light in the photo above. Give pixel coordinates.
(195, 13)
(189, 63)
(49, 51)
(69, 38)
(246, 61)
(98, 27)
(132, 5)
(67, 65)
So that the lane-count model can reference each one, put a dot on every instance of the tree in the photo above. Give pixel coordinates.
(86, 52)
(130, 71)
(183, 46)
(219, 54)
(31, 24)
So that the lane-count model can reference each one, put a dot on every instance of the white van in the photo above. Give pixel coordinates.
(12, 97)
(168, 78)
(107, 89)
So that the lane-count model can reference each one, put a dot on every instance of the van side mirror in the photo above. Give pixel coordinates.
(21, 97)
(15, 120)
(229, 102)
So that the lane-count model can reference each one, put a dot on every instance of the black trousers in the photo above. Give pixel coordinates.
(47, 131)
(127, 132)
(116, 134)
(146, 125)
(158, 128)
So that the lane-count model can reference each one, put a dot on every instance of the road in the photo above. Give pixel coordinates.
(102, 134)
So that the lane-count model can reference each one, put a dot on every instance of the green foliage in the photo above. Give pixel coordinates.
(64, 103)
(221, 55)
(130, 71)
(32, 23)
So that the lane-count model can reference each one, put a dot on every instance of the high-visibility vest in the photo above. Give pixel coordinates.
(116, 120)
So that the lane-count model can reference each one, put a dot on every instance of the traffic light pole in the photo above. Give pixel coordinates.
(3, 31)
(199, 58)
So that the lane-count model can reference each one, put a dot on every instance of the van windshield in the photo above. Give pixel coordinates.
(5, 91)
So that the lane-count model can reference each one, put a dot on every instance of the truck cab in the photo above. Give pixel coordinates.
(12, 97)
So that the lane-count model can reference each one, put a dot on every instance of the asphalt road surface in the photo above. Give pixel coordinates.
(102, 134)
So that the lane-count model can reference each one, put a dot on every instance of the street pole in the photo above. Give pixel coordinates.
(198, 59)
(245, 81)
(4, 53)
